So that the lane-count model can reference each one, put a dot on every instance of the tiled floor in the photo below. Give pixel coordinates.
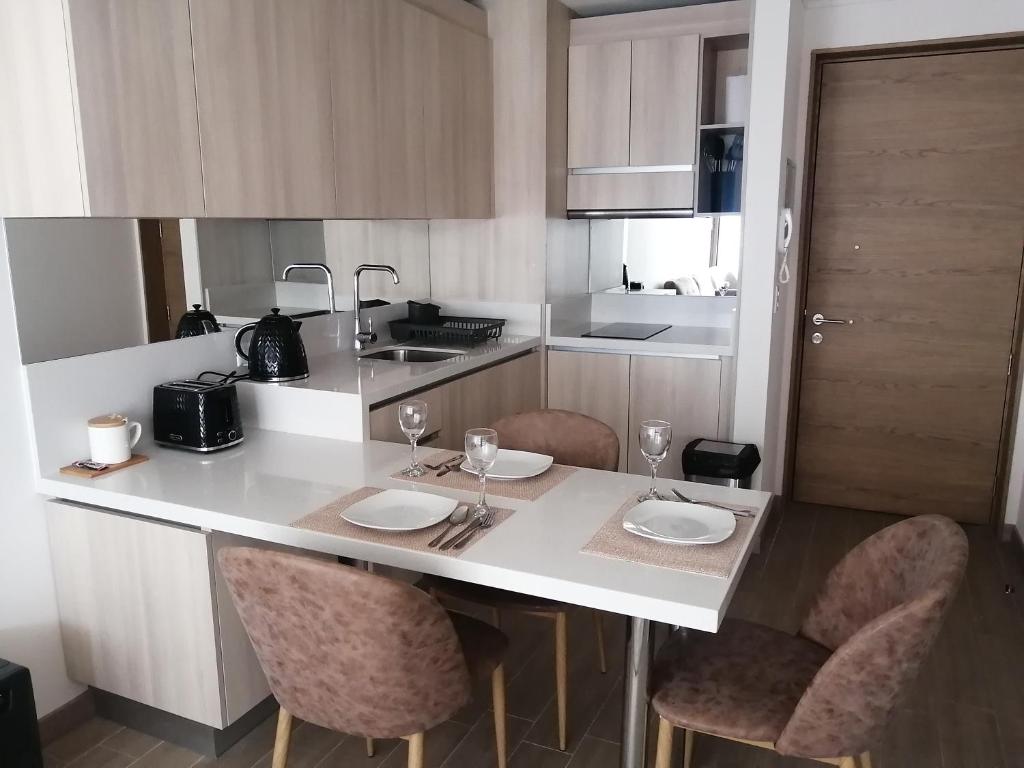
(967, 710)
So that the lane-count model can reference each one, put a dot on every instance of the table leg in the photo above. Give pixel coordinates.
(634, 711)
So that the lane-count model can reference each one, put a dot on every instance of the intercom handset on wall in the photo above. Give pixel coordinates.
(785, 235)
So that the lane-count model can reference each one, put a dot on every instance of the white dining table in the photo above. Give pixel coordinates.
(273, 479)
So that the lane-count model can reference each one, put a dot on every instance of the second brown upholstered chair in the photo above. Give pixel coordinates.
(358, 653)
(574, 440)
(826, 693)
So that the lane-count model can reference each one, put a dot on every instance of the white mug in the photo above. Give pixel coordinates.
(112, 437)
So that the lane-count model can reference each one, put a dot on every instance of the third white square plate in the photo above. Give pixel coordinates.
(678, 523)
(514, 465)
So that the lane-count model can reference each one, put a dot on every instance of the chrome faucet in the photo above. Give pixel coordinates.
(323, 268)
(362, 338)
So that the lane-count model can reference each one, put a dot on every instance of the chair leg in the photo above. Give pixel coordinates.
(561, 673)
(848, 762)
(416, 750)
(687, 748)
(599, 628)
(865, 760)
(498, 700)
(496, 617)
(664, 754)
(284, 737)
(370, 749)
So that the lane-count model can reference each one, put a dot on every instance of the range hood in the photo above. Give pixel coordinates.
(631, 192)
(632, 213)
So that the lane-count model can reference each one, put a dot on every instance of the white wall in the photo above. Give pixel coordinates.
(842, 23)
(29, 633)
(760, 368)
(77, 286)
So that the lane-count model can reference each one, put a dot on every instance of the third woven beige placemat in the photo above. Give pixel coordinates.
(612, 540)
(530, 489)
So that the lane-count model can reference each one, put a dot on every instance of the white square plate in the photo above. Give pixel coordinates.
(514, 465)
(397, 510)
(678, 523)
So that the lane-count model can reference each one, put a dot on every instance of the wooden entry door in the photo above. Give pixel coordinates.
(916, 236)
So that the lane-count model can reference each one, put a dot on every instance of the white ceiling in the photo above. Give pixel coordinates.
(606, 7)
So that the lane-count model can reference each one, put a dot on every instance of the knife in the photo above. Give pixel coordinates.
(737, 512)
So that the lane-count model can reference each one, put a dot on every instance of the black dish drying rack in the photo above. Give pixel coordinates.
(448, 329)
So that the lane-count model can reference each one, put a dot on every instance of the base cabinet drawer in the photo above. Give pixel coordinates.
(476, 400)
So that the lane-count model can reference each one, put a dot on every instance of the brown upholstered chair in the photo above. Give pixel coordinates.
(358, 653)
(574, 440)
(827, 692)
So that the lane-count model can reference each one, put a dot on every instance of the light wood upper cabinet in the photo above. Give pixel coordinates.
(458, 122)
(663, 100)
(413, 125)
(683, 391)
(377, 65)
(137, 107)
(263, 80)
(100, 109)
(599, 123)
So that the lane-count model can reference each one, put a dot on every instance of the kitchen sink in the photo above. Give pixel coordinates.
(412, 355)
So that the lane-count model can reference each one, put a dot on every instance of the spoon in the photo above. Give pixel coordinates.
(458, 517)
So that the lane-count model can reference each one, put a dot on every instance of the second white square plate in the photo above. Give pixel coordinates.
(398, 510)
(514, 465)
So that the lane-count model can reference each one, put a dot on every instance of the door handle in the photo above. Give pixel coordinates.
(819, 319)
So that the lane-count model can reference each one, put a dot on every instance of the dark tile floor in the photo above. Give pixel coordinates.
(966, 710)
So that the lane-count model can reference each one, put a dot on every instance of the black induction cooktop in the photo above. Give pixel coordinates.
(632, 331)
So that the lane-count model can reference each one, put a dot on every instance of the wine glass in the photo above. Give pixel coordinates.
(481, 451)
(655, 439)
(412, 418)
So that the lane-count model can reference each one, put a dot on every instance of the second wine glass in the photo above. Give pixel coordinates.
(412, 418)
(481, 451)
(655, 439)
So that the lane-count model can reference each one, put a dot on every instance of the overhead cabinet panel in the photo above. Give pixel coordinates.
(137, 107)
(377, 71)
(458, 122)
(663, 100)
(263, 82)
(599, 84)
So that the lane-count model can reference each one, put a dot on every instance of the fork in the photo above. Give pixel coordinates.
(737, 512)
(443, 464)
(486, 522)
(474, 523)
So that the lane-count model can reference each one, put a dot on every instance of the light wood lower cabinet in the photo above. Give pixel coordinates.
(681, 390)
(594, 384)
(145, 614)
(623, 390)
(476, 400)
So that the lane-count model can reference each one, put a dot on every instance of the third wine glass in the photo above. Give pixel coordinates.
(481, 451)
(412, 418)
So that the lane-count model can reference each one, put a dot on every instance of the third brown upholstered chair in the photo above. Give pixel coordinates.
(574, 440)
(826, 693)
(358, 653)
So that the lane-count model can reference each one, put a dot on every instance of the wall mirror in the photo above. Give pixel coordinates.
(670, 257)
(91, 285)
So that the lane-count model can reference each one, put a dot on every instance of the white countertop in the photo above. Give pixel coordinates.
(378, 380)
(676, 341)
(259, 488)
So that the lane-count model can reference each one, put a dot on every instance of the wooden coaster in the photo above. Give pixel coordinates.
(71, 469)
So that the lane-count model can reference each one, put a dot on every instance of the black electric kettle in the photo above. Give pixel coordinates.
(197, 322)
(276, 351)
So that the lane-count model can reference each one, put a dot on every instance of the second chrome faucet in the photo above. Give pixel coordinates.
(362, 338)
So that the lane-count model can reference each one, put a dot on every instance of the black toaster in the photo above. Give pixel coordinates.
(196, 415)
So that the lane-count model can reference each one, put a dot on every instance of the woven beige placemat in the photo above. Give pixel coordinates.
(328, 519)
(612, 540)
(530, 489)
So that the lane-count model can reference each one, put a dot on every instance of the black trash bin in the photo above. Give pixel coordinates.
(719, 463)
(19, 730)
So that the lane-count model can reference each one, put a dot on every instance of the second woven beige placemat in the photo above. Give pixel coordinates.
(530, 489)
(328, 519)
(612, 540)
